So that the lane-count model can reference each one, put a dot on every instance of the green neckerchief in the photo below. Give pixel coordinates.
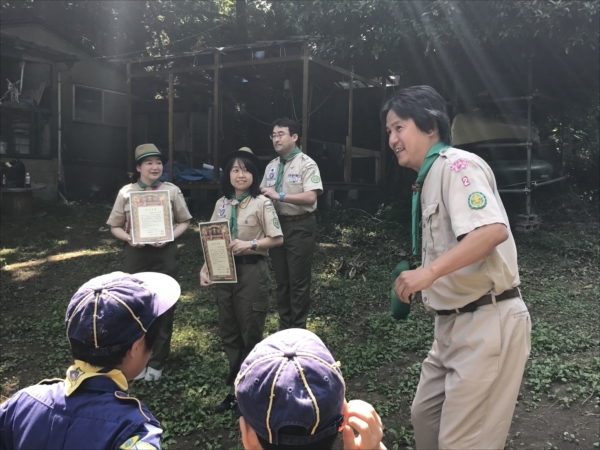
(144, 185)
(430, 158)
(236, 200)
(282, 161)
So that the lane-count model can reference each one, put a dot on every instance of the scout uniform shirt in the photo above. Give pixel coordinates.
(256, 218)
(459, 195)
(300, 174)
(119, 216)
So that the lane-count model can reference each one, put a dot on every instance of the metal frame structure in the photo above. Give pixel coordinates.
(246, 53)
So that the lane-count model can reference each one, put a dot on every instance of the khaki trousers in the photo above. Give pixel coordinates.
(471, 377)
(163, 260)
(292, 264)
(243, 308)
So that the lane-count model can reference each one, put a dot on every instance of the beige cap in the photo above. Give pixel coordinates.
(145, 150)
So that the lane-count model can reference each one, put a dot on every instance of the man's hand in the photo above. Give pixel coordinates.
(412, 281)
(363, 418)
(270, 192)
(238, 246)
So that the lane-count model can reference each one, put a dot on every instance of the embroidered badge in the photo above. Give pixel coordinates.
(276, 222)
(293, 177)
(272, 172)
(459, 165)
(477, 200)
(466, 181)
(74, 375)
(222, 210)
(315, 179)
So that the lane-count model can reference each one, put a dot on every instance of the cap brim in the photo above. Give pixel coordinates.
(166, 288)
(160, 155)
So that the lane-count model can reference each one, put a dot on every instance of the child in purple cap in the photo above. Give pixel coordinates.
(291, 395)
(112, 322)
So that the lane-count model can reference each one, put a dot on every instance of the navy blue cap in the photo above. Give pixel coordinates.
(291, 379)
(110, 312)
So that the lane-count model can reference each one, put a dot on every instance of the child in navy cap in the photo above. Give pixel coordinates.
(291, 395)
(112, 322)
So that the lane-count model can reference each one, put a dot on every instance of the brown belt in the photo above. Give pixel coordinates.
(485, 300)
(294, 218)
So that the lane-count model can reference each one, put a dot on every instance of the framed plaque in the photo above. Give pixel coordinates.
(151, 220)
(215, 238)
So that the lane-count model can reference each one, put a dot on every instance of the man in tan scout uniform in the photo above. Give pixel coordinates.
(293, 182)
(471, 377)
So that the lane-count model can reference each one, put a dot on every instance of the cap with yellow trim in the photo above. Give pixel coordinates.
(291, 379)
(110, 312)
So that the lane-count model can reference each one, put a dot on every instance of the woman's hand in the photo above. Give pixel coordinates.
(238, 246)
(130, 242)
(158, 244)
(204, 277)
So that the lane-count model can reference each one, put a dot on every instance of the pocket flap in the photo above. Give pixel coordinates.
(429, 210)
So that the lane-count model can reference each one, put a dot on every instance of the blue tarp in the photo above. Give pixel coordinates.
(181, 172)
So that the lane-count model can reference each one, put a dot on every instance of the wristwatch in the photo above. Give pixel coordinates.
(281, 195)
(254, 243)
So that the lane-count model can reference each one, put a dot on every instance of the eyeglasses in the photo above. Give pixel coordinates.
(277, 136)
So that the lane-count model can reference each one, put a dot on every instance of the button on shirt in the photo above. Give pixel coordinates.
(300, 174)
(256, 219)
(459, 195)
(119, 216)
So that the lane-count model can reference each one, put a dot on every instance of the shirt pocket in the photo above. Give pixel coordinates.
(432, 234)
(248, 227)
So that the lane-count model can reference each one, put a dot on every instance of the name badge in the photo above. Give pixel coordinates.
(293, 177)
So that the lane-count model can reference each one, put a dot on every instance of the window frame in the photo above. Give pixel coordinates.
(103, 121)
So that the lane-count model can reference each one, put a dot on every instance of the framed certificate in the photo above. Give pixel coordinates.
(151, 220)
(215, 238)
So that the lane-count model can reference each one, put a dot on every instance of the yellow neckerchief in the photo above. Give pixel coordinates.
(81, 371)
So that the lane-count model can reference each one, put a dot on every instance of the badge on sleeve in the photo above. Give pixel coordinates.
(459, 165)
(276, 222)
(315, 179)
(477, 200)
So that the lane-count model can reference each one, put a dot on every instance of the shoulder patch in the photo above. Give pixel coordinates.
(477, 200)
(459, 165)
(276, 222)
(315, 179)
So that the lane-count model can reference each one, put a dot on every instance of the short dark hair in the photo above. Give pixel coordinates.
(290, 124)
(425, 106)
(324, 444)
(79, 349)
(228, 189)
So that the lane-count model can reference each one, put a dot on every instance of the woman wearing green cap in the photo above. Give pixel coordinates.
(255, 228)
(158, 257)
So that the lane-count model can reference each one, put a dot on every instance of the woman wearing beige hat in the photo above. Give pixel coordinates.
(158, 257)
(255, 228)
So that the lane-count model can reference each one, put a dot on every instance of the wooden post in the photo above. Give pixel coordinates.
(305, 61)
(383, 147)
(129, 125)
(216, 117)
(348, 153)
(171, 135)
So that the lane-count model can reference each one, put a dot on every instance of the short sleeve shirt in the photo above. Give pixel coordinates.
(459, 195)
(300, 174)
(256, 219)
(119, 216)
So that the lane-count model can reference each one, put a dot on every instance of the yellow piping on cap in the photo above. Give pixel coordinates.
(272, 396)
(312, 397)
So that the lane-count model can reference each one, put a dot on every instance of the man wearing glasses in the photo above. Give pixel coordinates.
(293, 182)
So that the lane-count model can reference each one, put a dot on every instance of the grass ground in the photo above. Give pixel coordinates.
(44, 260)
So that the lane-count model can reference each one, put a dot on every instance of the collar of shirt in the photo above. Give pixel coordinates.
(98, 378)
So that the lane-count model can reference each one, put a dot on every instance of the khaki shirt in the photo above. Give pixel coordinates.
(300, 174)
(256, 219)
(459, 195)
(119, 216)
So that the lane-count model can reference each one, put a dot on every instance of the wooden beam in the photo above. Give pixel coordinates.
(305, 74)
(129, 124)
(365, 152)
(171, 134)
(346, 72)
(253, 62)
(216, 116)
(348, 150)
(380, 170)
